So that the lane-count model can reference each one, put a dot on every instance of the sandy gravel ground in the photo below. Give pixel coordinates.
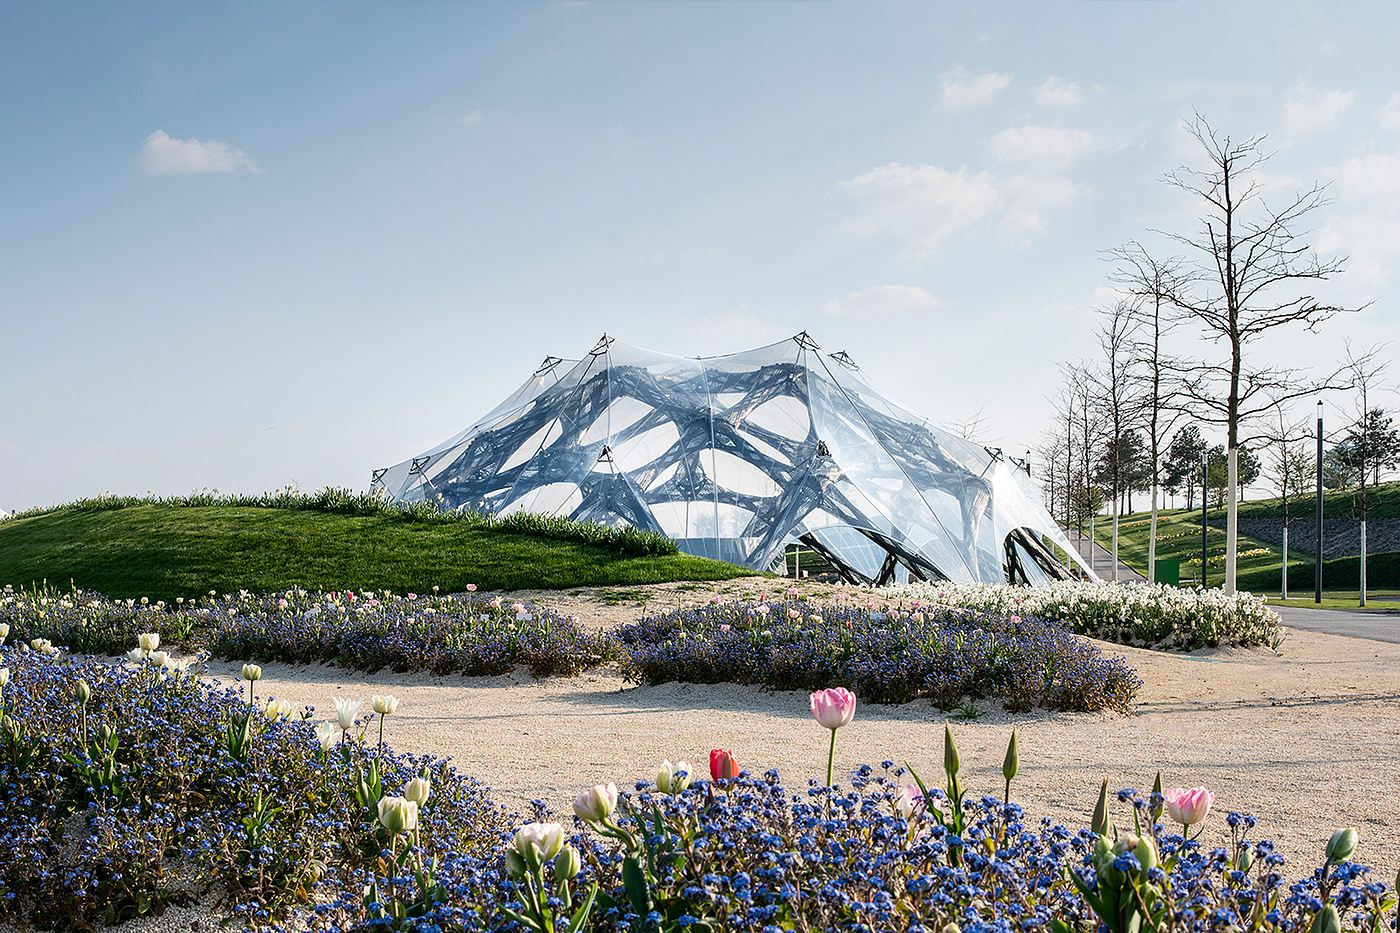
(1307, 739)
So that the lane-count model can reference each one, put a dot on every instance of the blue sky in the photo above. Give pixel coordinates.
(258, 244)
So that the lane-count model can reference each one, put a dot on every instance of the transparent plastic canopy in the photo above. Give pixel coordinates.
(738, 456)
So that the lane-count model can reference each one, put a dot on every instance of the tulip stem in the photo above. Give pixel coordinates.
(830, 757)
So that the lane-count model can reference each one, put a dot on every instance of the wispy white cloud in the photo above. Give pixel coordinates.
(1029, 197)
(473, 117)
(1366, 225)
(959, 89)
(1057, 92)
(162, 154)
(1040, 143)
(880, 300)
(1390, 113)
(924, 203)
(1307, 110)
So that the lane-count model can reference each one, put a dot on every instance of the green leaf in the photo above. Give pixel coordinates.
(634, 879)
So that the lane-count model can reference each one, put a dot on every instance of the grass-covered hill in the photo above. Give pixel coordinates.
(1260, 562)
(166, 548)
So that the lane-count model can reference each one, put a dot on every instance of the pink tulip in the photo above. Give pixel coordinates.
(1188, 807)
(471, 587)
(834, 707)
(909, 801)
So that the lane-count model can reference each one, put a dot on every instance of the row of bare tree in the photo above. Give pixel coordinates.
(1181, 341)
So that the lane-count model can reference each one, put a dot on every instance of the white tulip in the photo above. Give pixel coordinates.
(278, 709)
(539, 842)
(136, 654)
(251, 672)
(4, 676)
(150, 641)
(398, 815)
(384, 705)
(346, 710)
(327, 734)
(418, 790)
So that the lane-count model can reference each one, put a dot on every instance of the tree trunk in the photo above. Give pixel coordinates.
(1231, 521)
(1152, 537)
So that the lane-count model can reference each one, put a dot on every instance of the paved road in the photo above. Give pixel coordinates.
(1103, 562)
(1379, 626)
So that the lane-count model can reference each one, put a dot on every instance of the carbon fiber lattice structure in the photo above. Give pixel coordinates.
(738, 456)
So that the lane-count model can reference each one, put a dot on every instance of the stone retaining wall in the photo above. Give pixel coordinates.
(1341, 537)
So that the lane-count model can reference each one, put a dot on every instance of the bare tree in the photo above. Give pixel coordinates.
(1365, 369)
(1084, 438)
(1116, 400)
(1252, 273)
(1153, 282)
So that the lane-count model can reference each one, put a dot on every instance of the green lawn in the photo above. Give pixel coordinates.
(1259, 562)
(164, 552)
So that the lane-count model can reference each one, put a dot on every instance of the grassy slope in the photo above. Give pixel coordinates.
(1179, 535)
(164, 552)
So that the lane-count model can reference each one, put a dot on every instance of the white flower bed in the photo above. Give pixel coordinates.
(1142, 614)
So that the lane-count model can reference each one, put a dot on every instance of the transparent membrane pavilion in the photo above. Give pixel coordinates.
(737, 457)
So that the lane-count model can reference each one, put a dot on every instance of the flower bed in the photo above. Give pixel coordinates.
(943, 654)
(465, 633)
(1147, 615)
(152, 773)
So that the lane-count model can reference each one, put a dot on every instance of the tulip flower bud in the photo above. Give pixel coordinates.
(515, 865)
(384, 705)
(1012, 763)
(1100, 821)
(950, 927)
(398, 815)
(158, 658)
(149, 641)
(83, 692)
(567, 864)
(1326, 921)
(4, 676)
(1245, 861)
(1146, 853)
(418, 790)
(1341, 845)
(4, 631)
(596, 804)
(251, 672)
(136, 654)
(951, 762)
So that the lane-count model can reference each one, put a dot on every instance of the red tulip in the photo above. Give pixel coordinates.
(723, 765)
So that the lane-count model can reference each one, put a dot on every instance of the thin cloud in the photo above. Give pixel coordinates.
(1390, 113)
(473, 117)
(1040, 143)
(959, 89)
(881, 300)
(1307, 110)
(162, 154)
(1057, 92)
(1367, 230)
(924, 203)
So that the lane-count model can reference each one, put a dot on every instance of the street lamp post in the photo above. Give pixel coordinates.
(1317, 544)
